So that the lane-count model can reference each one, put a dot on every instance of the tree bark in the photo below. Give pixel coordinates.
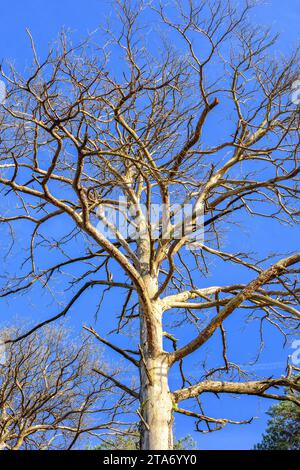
(156, 406)
(156, 403)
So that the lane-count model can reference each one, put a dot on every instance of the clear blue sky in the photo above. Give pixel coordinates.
(45, 20)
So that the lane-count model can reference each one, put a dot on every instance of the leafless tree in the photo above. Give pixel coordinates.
(185, 104)
(50, 395)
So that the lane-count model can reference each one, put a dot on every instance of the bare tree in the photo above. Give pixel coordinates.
(209, 123)
(50, 396)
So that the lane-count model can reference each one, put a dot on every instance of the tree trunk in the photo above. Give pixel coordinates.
(156, 403)
(156, 406)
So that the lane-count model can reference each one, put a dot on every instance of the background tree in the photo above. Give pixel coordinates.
(283, 430)
(133, 443)
(139, 119)
(50, 398)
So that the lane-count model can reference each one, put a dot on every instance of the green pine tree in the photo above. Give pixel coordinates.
(283, 430)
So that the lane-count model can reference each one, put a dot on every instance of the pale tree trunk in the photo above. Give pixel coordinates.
(156, 407)
(156, 401)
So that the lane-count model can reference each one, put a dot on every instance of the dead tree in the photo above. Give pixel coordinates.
(50, 395)
(186, 105)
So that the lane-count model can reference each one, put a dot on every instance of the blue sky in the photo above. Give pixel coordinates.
(45, 20)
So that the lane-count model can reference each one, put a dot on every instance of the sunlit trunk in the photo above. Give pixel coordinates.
(156, 406)
(156, 401)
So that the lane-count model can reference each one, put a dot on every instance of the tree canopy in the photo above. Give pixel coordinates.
(283, 430)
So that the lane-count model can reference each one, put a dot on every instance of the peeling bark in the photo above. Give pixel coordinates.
(156, 403)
